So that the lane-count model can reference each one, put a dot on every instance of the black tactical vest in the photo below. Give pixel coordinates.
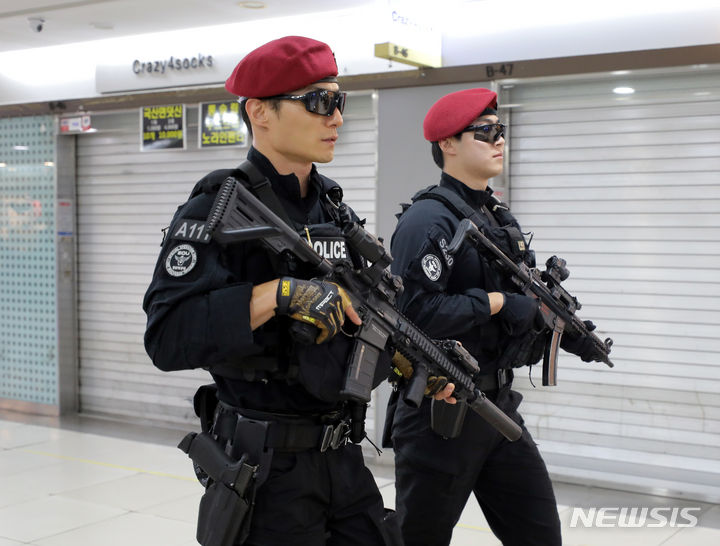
(281, 357)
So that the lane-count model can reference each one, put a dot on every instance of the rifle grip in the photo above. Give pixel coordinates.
(415, 390)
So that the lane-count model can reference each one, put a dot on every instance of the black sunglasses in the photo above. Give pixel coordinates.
(487, 133)
(320, 101)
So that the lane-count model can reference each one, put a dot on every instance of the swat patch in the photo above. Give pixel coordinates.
(191, 230)
(431, 266)
(449, 260)
(332, 249)
(181, 260)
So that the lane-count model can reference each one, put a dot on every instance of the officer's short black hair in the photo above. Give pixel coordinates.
(243, 114)
(437, 153)
(274, 104)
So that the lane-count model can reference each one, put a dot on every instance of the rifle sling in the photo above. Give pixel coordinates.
(260, 185)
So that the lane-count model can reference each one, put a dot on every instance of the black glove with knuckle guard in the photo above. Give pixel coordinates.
(316, 302)
(581, 346)
(519, 313)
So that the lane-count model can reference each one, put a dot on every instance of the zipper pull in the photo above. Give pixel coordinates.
(307, 234)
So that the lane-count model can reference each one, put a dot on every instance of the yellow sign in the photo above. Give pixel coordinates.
(395, 52)
(162, 127)
(221, 125)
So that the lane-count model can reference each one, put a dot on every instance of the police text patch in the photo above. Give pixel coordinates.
(181, 260)
(331, 248)
(432, 266)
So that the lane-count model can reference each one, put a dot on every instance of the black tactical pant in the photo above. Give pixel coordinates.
(313, 499)
(509, 480)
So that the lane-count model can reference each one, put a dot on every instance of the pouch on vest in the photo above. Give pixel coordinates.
(524, 350)
(204, 403)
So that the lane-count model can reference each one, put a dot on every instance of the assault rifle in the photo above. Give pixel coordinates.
(557, 306)
(237, 215)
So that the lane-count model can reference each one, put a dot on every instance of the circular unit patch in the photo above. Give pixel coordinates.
(181, 260)
(432, 267)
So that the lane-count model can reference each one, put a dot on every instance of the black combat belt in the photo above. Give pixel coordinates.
(232, 459)
(283, 432)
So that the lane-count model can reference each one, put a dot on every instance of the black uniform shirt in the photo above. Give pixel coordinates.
(198, 306)
(447, 295)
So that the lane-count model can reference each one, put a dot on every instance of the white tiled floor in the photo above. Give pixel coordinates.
(103, 484)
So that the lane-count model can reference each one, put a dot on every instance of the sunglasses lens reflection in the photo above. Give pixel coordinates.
(324, 102)
(489, 133)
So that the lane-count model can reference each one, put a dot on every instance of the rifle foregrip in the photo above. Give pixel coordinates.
(415, 391)
(495, 416)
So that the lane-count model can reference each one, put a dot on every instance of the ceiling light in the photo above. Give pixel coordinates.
(624, 90)
(49, 164)
(21, 148)
(251, 5)
(2, 164)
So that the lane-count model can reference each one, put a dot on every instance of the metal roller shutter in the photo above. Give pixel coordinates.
(125, 198)
(625, 188)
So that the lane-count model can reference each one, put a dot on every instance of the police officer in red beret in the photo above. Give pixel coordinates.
(229, 309)
(440, 458)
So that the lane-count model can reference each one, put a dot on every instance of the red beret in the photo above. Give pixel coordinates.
(283, 65)
(452, 113)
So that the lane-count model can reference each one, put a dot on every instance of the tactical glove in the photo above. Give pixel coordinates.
(435, 384)
(319, 303)
(581, 346)
(404, 367)
(519, 313)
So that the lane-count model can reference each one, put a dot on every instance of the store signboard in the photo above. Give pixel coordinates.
(162, 127)
(221, 125)
(156, 72)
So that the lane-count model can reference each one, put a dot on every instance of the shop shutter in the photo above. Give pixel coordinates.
(625, 188)
(125, 198)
